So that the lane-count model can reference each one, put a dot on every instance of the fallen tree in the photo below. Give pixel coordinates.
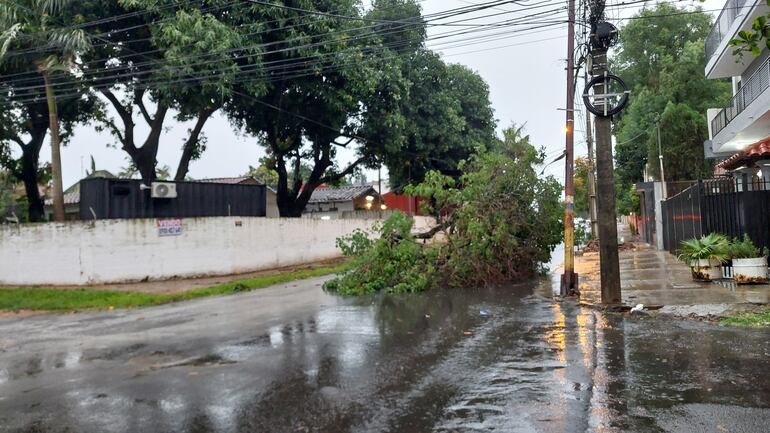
(500, 222)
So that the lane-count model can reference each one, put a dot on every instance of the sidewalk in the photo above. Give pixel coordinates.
(656, 278)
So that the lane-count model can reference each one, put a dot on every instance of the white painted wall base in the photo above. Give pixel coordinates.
(113, 251)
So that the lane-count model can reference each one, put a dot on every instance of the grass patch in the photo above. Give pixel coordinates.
(15, 299)
(749, 319)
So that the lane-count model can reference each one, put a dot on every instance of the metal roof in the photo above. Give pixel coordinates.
(230, 180)
(348, 193)
(69, 198)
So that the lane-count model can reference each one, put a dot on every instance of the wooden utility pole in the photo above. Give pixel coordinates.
(608, 229)
(569, 281)
(591, 174)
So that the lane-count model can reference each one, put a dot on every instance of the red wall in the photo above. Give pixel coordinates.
(402, 203)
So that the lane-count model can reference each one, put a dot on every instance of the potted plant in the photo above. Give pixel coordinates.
(749, 263)
(705, 256)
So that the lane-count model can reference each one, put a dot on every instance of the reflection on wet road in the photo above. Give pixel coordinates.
(293, 359)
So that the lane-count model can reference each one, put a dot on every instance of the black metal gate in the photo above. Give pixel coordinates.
(728, 206)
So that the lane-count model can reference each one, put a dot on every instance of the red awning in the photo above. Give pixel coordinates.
(755, 152)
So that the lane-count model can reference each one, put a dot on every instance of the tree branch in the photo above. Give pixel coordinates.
(138, 94)
(346, 143)
(126, 139)
(432, 232)
(348, 170)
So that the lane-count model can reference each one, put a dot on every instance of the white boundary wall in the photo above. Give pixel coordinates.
(112, 251)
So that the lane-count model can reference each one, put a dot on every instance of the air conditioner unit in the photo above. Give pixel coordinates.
(163, 190)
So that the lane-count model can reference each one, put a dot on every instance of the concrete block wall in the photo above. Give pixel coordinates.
(113, 251)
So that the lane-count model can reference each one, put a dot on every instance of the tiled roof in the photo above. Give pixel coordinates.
(348, 193)
(755, 152)
(229, 180)
(69, 198)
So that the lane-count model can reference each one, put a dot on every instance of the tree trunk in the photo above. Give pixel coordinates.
(146, 158)
(191, 145)
(29, 166)
(56, 169)
(145, 163)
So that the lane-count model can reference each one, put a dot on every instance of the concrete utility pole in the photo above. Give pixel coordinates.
(591, 175)
(662, 172)
(608, 229)
(569, 280)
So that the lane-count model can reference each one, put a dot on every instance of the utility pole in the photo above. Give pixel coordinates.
(608, 229)
(591, 174)
(569, 280)
(662, 172)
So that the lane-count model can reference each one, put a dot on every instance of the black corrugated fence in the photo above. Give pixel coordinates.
(125, 198)
(726, 206)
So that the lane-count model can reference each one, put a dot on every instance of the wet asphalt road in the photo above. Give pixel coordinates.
(293, 359)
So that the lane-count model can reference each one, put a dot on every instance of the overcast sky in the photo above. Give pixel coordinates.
(525, 73)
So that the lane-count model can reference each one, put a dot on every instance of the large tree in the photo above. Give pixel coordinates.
(661, 56)
(332, 83)
(163, 57)
(37, 48)
(447, 115)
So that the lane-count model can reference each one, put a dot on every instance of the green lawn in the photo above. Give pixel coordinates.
(52, 299)
(751, 319)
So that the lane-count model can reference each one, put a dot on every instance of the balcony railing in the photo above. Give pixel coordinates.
(722, 25)
(749, 91)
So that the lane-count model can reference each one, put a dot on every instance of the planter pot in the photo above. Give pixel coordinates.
(746, 271)
(706, 270)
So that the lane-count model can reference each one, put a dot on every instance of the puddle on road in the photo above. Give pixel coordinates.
(498, 359)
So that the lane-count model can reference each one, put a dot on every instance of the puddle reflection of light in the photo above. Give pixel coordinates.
(72, 358)
(555, 337)
(583, 340)
(357, 327)
(174, 404)
(276, 336)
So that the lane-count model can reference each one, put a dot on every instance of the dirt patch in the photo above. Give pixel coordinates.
(20, 314)
(593, 246)
(709, 312)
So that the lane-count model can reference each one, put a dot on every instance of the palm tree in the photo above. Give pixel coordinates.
(33, 27)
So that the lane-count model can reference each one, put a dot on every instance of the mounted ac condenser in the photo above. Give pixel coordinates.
(163, 190)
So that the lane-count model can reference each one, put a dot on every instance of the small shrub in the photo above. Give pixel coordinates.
(745, 249)
(713, 246)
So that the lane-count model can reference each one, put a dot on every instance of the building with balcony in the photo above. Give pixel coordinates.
(741, 128)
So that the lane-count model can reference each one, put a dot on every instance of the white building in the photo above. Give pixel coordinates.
(740, 130)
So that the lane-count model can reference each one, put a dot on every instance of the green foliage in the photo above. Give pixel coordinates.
(394, 262)
(752, 41)
(357, 243)
(447, 116)
(761, 319)
(580, 180)
(745, 249)
(582, 234)
(713, 246)
(683, 130)
(64, 300)
(38, 36)
(6, 193)
(662, 60)
(499, 219)
(626, 198)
